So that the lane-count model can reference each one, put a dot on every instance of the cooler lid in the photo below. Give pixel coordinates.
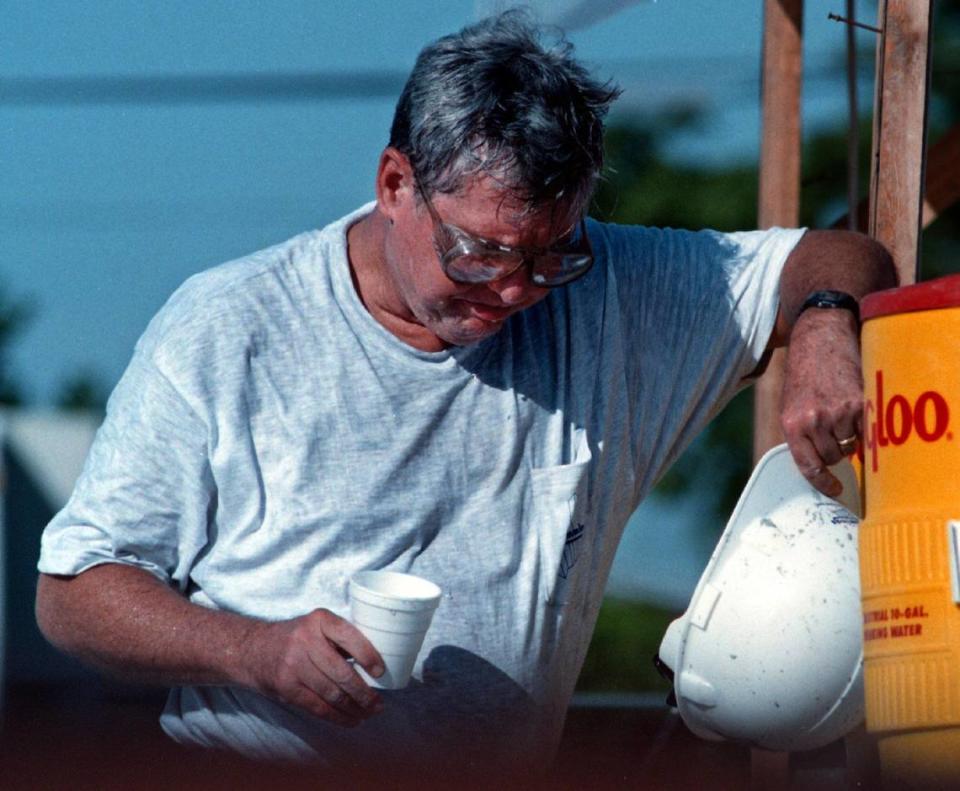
(943, 292)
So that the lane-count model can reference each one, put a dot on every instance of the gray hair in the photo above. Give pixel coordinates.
(491, 99)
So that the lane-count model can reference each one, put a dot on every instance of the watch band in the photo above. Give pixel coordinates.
(832, 299)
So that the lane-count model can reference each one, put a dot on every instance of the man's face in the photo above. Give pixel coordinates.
(456, 313)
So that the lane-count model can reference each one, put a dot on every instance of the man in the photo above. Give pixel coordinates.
(466, 380)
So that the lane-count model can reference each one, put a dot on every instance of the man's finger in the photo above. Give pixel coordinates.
(845, 432)
(342, 701)
(814, 468)
(350, 693)
(847, 445)
(347, 637)
(306, 698)
(346, 677)
(825, 481)
(827, 447)
(322, 679)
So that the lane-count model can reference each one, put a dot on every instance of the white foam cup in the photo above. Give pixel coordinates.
(393, 611)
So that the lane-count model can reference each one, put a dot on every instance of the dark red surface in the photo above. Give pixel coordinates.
(56, 739)
(944, 292)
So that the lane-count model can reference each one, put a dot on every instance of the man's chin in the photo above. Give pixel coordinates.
(469, 331)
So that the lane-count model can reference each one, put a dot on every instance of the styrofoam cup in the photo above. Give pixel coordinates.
(393, 611)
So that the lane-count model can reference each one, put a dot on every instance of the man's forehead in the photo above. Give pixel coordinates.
(554, 212)
(487, 201)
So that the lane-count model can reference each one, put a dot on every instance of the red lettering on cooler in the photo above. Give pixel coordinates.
(941, 416)
(893, 422)
(898, 403)
(881, 437)
(907, 630)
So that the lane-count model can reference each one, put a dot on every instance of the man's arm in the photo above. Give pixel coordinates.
(823, 386)
(127, 622)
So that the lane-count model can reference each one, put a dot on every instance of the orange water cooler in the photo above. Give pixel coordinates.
(908, 538)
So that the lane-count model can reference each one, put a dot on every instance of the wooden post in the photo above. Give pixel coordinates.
(897, 210)
(780, 142)
(779, 199)
(779, 204)
(899, 131)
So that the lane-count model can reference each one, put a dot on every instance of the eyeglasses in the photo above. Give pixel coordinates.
(469, 259)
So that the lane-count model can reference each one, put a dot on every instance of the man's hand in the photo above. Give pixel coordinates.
(127, 622)
(822, 407)
(303, 662)
(822, 394)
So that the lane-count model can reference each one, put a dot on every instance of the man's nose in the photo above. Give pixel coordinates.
(512, 289)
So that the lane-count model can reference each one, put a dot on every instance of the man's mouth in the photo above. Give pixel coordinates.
(488, 312)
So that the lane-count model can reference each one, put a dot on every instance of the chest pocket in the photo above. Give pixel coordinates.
(564, 530)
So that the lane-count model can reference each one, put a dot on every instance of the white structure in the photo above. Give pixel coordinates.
(42, 455)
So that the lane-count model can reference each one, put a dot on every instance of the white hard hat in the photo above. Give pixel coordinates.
(770, 650)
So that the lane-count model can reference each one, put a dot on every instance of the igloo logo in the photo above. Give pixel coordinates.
(895, 419)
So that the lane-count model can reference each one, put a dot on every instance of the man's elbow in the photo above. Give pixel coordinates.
(857, 251)
(50, 610)
(882, 263)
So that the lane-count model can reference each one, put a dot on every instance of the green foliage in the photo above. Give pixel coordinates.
(15, 315)
(625, 641)
(642, 186)
(82, 392)
(940, 245)
(945, 72)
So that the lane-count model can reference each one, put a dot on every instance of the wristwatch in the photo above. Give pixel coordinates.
(832, 299)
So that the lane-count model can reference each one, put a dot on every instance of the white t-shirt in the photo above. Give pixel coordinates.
(270, 438)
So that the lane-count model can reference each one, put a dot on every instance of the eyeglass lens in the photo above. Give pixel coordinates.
(469, 262)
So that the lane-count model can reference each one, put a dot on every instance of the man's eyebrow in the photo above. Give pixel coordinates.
(476, 236)
(558, 241)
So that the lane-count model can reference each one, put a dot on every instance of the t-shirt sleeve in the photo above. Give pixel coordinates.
(145, 491)
(694, 312)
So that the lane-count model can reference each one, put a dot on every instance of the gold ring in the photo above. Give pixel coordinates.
(848, 445)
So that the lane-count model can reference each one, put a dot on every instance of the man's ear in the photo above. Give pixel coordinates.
(395, 183)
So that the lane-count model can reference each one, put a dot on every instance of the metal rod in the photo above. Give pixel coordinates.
(853, 133)
(851, 21)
